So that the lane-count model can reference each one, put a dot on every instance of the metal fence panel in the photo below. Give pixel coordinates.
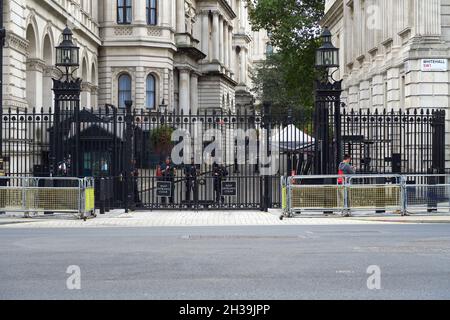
(427, 193)
(61, 195)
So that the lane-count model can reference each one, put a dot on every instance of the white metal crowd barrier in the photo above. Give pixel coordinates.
(427, 193)
(49, 195)
(402, 194)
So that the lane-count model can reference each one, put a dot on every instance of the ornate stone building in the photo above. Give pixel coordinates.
(188, 54)
(393, 53)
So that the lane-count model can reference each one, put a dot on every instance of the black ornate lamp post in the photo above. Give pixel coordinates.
(327, 101)
(163, 107)
(67, 91)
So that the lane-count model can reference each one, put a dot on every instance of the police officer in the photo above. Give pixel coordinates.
(190, 173)
(219, 173)
(135, 177)
(3, 183)
(169, 171)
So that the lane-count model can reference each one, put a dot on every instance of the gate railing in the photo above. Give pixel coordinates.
(49, 195)
(381, 193)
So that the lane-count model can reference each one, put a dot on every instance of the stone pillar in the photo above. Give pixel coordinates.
(221, 40)
(232, 61)
(194, 93)
(185, 99)
(181, 26)
(140, 15)
(243, 76)
(165, 16)
(109, 14)
(230, 47)
(94, 96)
(34, 83)
(215, 36)
(85, 99)
(242, 17)
(226, 44)
(205, 34)
(48, 100)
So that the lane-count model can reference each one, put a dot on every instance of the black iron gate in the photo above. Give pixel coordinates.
(125, 151)
(410, 142)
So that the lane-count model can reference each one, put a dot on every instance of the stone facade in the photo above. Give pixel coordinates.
(383, 45)
(196, 54)
(393, 54)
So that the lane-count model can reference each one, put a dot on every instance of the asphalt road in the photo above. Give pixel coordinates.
(298, 262)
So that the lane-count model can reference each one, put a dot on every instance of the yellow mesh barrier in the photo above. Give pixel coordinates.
(374, 197)
(283, 198)
(11, 199)
(328, 197)
(56, 199)
(90, 200)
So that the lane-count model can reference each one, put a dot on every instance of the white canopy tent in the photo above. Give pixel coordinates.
(292, 139)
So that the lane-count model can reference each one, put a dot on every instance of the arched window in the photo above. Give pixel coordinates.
(124, 89)
(269, 49)
(151, 12)
(151, 92)
(124, 10)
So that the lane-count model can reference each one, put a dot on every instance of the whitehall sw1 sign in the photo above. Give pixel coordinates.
(434, 65)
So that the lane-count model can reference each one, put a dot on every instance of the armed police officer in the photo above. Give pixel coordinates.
(190, 173)
(219, 173)
(169, 171)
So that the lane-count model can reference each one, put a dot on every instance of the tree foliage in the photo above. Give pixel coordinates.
(287, 77)
(161, 140)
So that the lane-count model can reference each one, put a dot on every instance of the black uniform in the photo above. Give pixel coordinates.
(219, 173)
(190, 173)
(168, 172)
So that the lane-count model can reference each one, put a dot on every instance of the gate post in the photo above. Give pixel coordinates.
(328, 151)
(438, 151)
(128, 158)
(67, 91)
(265, 201)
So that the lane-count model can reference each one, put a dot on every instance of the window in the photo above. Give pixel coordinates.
(151, 92)
(124, 89)
(151, 12)
(124, 11)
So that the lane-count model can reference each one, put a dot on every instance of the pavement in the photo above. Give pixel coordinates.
(118, 218)
(364, 261)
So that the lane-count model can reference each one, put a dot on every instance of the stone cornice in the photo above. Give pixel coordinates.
(36, 65)
(334, 13)
(228, 9)
(16, 42)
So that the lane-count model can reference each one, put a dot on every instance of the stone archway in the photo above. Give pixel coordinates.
(47, 93)
(85, 99)
(34, 69)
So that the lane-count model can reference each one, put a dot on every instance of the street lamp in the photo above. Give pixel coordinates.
(67, 90)
(67, 53)
(163, 107)
(327, 56)
(327, 114)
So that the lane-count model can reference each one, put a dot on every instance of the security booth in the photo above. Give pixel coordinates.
(94, 149)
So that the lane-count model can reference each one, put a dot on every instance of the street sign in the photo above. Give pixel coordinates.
(229, 188)
(429, 65)
(164, 189)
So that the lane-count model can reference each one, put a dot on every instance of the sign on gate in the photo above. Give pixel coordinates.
(164, 189)
(229, 188)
